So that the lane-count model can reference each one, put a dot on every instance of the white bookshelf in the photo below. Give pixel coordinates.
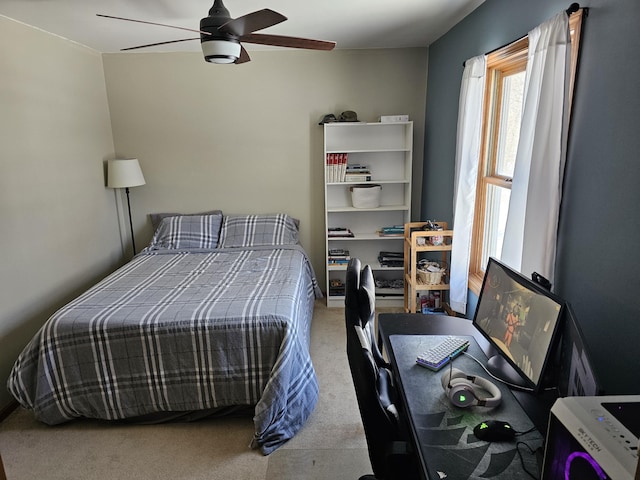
(387, 149)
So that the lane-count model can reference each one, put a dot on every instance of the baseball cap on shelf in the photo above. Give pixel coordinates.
(348, 116)
(328, 118)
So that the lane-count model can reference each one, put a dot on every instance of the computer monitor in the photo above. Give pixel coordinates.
(520, 319)
(577, 376)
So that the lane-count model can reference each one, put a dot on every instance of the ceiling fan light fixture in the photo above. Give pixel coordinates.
(221, 51)
(220, 35)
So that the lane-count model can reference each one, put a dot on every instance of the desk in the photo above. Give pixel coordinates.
(442, 433)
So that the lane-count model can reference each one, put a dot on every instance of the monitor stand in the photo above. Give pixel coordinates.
(503, 370)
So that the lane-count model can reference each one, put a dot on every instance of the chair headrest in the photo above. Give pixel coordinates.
(367, 295)
(352, 283)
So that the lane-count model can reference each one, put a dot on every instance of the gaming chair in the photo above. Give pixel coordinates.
(373, 381)
(360, 304)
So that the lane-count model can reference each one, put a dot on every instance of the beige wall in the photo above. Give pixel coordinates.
(59, 231)
(245, 138)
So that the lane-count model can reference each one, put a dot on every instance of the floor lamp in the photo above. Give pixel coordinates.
(124, 174)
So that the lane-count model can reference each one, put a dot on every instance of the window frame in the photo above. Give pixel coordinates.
(504, 61)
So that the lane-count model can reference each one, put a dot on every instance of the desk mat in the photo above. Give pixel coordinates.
(449, 447)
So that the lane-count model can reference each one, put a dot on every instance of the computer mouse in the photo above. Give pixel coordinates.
(494, 431)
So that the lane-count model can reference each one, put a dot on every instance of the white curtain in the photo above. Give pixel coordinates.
(466, 175)
(532, 221)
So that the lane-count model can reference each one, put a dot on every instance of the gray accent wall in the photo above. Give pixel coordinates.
(599, 233)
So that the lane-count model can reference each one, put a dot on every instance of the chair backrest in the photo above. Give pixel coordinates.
(351, 295)
(367, 308)
(372, 380)
(373, 391)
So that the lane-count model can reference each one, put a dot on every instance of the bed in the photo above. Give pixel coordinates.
(213, 315)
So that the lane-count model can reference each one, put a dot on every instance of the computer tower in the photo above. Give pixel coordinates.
(593, 438)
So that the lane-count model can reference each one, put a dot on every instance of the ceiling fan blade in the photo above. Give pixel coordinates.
(244, 56)
(159, 43)
(252, 22)
(291, 42)
(152, 23)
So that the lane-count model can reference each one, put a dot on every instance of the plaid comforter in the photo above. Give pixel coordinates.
(176, 332)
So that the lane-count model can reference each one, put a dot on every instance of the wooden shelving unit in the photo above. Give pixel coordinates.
(416, 241)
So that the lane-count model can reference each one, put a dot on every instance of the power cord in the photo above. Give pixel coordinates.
(532, 429)
(531, 451)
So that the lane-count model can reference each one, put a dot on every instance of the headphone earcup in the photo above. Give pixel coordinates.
(461, 389)
(462, 393)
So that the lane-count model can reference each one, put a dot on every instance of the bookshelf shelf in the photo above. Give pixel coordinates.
(392, 208)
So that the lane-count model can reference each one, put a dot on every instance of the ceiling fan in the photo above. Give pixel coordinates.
(220, 35)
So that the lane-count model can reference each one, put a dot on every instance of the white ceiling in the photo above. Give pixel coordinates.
(350, 23)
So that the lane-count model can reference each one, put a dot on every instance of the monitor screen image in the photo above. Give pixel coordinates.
(520, 319)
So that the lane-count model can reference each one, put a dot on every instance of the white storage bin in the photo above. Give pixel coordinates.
(365, 196)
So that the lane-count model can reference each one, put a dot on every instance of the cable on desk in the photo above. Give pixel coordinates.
(532, 429)
(532, 452)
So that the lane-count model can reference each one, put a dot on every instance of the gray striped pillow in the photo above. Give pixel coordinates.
(257, 230)
(187, 231)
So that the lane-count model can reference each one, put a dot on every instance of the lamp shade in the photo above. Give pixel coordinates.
(220, 51)
(124, 173)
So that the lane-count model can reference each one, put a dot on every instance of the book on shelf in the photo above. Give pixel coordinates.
(391, 263)
(336, 167)
(357, 167)
(391, 255)
(338, 261)
(356, 172)
(339, 232)
(391, 259)
(382, 233)
(357, 177)
(393, 230)
(338, 256)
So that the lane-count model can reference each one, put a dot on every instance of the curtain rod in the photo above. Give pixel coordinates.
(573, 8)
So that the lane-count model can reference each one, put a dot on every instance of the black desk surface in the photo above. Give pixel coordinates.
(442, 432)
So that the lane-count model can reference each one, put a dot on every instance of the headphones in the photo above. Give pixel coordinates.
(462, 389)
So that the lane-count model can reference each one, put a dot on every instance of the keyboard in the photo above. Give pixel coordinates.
(439, 355)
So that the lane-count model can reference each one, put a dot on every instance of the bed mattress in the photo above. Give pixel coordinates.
(178, 332)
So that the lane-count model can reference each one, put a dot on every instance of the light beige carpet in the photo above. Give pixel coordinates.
(330, 446)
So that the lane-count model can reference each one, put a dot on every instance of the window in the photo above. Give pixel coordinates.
(503, 103)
